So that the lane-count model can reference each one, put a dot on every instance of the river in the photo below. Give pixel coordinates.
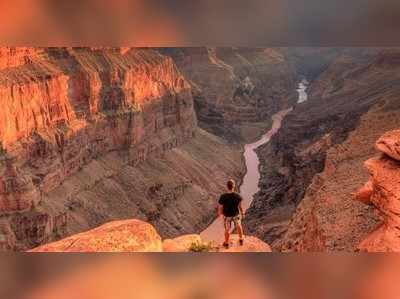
(215, 232)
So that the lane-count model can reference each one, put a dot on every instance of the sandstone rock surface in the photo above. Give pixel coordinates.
(139, 236)
(91, 135)
(116, 236)
(181, 244)
(185, 243)
(383, 192)
(389, 144)
(251, 244)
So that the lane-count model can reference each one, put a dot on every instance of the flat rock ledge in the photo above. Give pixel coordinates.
(140, 236)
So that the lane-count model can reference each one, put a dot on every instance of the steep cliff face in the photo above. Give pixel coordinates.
(314, 163)
(12, 56)
(236, 90)
(83, 132)
(383, 192)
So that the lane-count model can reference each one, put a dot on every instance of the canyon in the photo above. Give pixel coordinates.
(314, 163)
(91, 135)
(97, 143)
(237, 90)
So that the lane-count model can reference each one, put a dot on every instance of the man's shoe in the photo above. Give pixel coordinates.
(226, 245)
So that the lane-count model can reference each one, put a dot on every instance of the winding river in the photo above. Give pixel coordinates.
(249, 187)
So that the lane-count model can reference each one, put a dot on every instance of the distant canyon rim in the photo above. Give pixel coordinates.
(94, 135)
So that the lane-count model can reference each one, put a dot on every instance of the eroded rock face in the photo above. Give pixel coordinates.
(236, 90)
(314, 163)
(117, 236)
(390, 144)
(383, 192)
(91, 135)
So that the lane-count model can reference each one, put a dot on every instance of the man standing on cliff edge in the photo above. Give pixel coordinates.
(230, 206)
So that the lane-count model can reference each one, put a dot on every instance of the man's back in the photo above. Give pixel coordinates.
(230, 203)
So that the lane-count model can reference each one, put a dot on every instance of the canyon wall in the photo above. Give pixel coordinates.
(382, 191)
(237, 90)
(90, 135)
(314, 163)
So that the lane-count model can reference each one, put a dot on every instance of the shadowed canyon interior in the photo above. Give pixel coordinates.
(94, 137)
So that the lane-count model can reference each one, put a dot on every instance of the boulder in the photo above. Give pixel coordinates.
(116, 236)
(389, 144)
(383, 192)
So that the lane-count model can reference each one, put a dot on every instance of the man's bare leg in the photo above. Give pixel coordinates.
(226, 236)
(240, 232)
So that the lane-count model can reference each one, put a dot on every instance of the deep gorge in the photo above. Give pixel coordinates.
(92, 135)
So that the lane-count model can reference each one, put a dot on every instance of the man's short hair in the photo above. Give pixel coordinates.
(230, 184)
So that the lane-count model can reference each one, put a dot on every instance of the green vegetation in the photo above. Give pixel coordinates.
(200, 247)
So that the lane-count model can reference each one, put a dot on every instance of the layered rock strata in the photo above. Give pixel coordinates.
(90, 135)
(382, 191)
(236, 90)
(312, 165)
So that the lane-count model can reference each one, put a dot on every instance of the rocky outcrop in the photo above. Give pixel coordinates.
(251, 244)
(383, 192)
(390, 144)
(17, 56)
(181, 243)
(236, 90)
(305, 200)
(139, 236)
(91, 135)
(117, 236)
(194, 243)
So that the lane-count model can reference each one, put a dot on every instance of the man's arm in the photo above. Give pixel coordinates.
(219, 210)
(241, 209)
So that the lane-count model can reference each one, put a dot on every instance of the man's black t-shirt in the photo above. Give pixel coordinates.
(230, 204)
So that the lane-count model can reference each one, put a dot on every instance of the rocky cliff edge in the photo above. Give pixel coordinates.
(383, 192)
(139, 236)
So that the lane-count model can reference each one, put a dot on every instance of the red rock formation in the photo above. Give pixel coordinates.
(181, 244)
(64, 107)
(390, 144)
(117, 236)
(100, 134)
(383, 192)
(13, 57)
(251, 244)
(139, 236)
(17, 192)
(184, 244)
